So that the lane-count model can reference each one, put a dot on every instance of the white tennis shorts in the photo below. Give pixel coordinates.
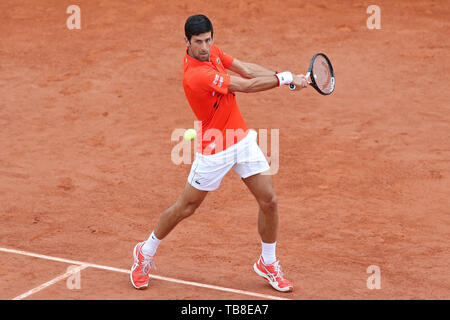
(245, 157)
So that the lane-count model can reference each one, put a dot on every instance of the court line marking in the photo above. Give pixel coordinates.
(51, 282)
(97, 266)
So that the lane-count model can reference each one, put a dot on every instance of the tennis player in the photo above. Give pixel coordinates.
(225, 142)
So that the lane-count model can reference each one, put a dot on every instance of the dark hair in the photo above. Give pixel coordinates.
(197, 24)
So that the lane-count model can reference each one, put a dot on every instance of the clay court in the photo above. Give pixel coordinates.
(86, 118)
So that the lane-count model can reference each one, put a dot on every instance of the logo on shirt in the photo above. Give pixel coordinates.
(218, 80)
(218, 60)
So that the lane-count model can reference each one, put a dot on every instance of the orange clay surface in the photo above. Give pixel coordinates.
(86, 118)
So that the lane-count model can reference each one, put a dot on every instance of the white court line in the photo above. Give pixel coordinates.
(97, 266)
(51, 282)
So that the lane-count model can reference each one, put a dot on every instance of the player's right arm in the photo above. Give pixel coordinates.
(263, 83)
(209, 79)
(252, 85)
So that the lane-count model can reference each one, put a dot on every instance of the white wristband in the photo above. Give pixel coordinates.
(284, 78)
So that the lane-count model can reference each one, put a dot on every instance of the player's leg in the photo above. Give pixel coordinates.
(183, 208)
(144, 251)
(251, 163)
(267, 266)
(261, 187)
(205, 175)
(250, 166)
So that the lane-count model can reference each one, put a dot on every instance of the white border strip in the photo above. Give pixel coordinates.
(85, 265)
(51, 282)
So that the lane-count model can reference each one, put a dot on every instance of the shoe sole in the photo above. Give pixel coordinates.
(272, 283)
(136, 262)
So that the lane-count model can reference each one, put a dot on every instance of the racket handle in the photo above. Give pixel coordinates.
(293, 86)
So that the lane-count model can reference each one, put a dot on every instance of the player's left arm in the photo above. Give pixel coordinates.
(250, 70)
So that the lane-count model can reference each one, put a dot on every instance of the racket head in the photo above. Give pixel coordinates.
(321, 74)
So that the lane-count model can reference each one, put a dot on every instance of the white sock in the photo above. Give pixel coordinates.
(150, 246)
(268, 252)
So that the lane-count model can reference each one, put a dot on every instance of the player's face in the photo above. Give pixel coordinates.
(199, 46)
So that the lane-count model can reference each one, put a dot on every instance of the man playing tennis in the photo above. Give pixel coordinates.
(225, 142)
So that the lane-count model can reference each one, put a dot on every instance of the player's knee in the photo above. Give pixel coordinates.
(188, 209)
(269, 204)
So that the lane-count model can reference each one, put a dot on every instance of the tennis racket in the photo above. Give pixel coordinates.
(321, 73)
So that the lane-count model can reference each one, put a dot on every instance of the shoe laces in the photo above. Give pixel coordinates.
(277, 270)
(147, 264)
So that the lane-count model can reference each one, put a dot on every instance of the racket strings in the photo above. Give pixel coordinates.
(322, 74)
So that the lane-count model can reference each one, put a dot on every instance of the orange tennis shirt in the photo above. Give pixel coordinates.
(206, 84)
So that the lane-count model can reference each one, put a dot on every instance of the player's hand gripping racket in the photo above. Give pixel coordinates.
(321, 73)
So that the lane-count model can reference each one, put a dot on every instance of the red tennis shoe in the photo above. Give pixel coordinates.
(274, 274)
(140, 270)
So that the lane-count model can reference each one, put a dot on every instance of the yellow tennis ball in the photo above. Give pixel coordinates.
(190, 134)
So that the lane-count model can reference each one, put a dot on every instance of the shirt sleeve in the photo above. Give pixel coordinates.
(211, 80)
(227, 59)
